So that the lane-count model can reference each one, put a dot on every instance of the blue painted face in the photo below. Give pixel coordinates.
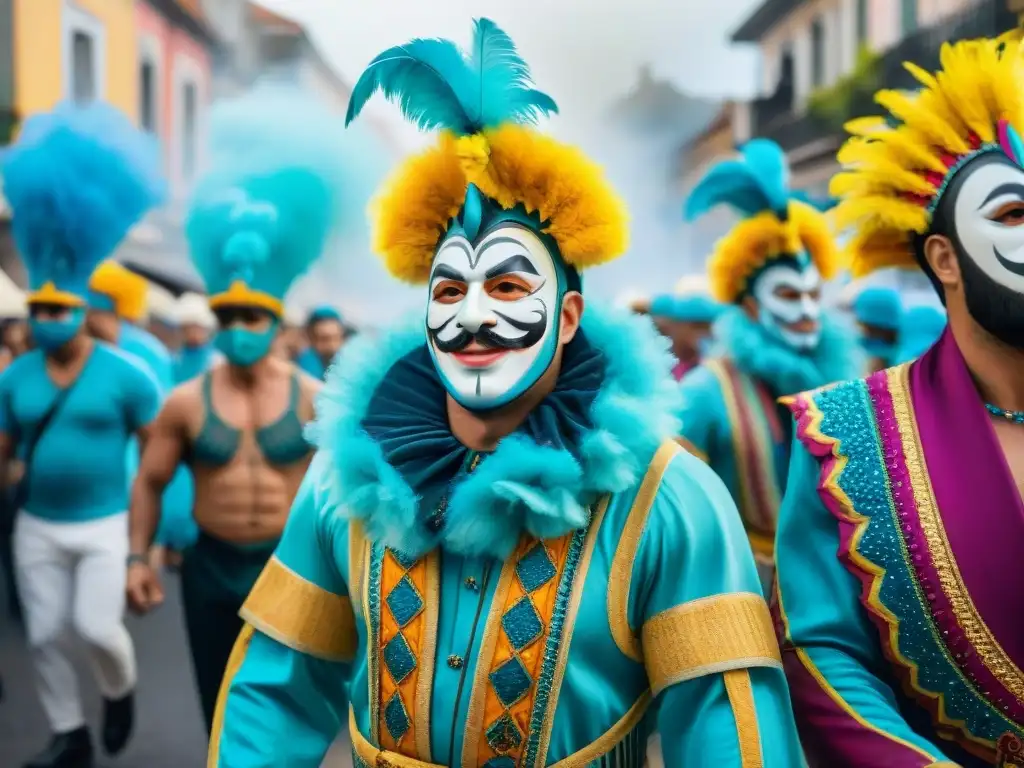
(493, 313)
(50, 333)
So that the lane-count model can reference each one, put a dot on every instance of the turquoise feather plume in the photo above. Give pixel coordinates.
(757, 181)
(77, 179)
(438, 87)
(280, 168)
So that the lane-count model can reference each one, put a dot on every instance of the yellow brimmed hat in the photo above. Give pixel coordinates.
(115, 288)
(775, 224)
(895, 171)
(485, 112)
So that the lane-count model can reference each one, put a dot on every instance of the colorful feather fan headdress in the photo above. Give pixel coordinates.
(776, 225)
(272, 198)
(485, 110)
(77, 179)
(894, 175)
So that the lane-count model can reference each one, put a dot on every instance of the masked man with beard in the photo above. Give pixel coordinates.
(77, 180)
(258, 220)
(774, 340)
(900, 600)
(500, 556)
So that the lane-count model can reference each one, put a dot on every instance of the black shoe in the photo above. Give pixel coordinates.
(118, 719)
(67, 750)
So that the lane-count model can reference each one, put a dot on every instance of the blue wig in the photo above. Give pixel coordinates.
(755, 182)
(880, 307)
(273, 198)
(77, 179)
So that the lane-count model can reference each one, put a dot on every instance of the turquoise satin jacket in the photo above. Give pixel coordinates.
(552, 604)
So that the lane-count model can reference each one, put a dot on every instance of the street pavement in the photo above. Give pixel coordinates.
(169, 728)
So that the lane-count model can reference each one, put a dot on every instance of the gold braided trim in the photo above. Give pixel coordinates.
(356, 566)
(428, 652)
(621, 573)
(707, 636)
(299, 614)
(379, 758)
(238, 651)
(984, 643)
(692, 449)
(741, 699)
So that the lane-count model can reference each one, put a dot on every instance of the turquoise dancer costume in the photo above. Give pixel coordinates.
(770, 266)
(899, 599)
(548, 603)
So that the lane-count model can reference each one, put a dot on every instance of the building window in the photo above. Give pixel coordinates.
(83, 67)
(862, 22)
(147, 96)
(817, 53)
(908, 16)
(188, 131)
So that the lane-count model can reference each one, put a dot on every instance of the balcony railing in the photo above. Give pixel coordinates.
(774, 117)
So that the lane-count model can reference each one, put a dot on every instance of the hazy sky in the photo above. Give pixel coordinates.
(586, 54)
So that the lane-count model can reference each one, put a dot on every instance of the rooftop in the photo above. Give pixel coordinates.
(274, 22)
(765, 16)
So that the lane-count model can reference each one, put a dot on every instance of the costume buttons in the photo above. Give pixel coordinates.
(455, 662)
(472, 584)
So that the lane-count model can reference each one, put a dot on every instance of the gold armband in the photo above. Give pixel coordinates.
(296, 612)
(708, 636)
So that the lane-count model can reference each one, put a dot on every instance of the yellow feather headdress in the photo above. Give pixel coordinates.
(894, 174)
(775, 226)
(484, 110)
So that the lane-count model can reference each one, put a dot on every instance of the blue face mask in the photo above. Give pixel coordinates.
(51, 334)
(879, 348)
(243, 347)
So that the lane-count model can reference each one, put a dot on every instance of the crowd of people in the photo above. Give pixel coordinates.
(526, 528)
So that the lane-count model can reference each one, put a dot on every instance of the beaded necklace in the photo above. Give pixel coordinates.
(1017, 417)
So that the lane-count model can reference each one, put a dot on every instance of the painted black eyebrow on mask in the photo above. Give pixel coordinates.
(511, 264)
(1010, 187)
(445, 272)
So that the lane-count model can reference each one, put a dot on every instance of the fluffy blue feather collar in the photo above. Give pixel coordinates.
(388, 457)
(838, 356)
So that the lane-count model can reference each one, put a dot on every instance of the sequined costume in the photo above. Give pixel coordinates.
(549, 602)
(899, 607)
(770, 268)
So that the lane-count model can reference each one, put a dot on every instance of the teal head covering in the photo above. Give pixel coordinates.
(272, 199)
(77, 179)
(695, 308)
(879, 307)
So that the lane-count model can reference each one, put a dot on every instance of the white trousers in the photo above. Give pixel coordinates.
(74, 574)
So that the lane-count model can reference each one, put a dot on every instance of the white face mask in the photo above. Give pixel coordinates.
(786, 295)
(492, 315)
(988, 216)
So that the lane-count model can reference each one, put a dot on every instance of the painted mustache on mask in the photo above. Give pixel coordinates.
(487, 337)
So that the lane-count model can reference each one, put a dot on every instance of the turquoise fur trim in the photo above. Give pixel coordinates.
(838, 356)
(849, 417)
(522, 486)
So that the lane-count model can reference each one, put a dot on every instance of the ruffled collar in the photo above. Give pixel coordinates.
(757, 353)
(391, 460)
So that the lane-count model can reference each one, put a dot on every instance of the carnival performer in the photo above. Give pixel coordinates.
(685, 317)
(900, 607)
(258, 221)
(325, 330)
(77, 179)
(196, 323)
(774, 341)
(878, 311)
(500, 555)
